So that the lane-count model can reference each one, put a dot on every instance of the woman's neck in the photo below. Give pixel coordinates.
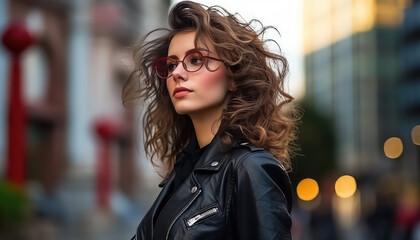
(205, 128)
(206, 123)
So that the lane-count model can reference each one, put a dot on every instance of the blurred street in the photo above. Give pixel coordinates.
(84, 220)
(73, 214)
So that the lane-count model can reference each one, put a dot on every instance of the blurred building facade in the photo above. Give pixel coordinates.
(72, 79)
(409, 90)
(352, 71)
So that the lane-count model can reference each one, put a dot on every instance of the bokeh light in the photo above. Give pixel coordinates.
(345, 186)
(307, 189)
(393, 147)
(415, 135)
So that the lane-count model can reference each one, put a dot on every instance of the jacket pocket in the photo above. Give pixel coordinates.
(203, 215)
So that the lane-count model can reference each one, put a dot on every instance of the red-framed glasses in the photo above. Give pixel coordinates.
(192, 62)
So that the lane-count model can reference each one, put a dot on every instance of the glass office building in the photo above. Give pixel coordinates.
(352, 68)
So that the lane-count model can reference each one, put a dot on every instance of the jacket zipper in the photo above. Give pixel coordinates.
(179, 214)
(203, 215)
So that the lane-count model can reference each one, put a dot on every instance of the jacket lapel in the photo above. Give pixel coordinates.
(148, 225)
(176, 205)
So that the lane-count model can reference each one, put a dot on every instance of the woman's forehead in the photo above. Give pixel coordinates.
(185, 41)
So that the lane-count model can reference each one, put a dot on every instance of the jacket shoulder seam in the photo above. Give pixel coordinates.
(244, 157)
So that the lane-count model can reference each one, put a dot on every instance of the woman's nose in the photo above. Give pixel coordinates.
(179, 73)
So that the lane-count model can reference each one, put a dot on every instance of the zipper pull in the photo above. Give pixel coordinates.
(193, 220)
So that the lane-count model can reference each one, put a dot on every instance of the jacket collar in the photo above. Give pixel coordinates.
(215, 155)
(211, 160)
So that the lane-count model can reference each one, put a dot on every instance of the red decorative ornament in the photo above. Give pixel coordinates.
(16, 38)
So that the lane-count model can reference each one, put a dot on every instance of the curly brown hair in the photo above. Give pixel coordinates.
(259, 110)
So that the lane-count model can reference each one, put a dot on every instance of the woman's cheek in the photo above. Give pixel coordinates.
(216, 78)
(216, 81)
(170, 86)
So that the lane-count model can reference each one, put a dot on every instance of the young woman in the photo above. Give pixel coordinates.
(217, 118)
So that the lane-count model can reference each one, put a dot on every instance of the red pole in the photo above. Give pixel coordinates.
(104, 175)
(16, 39)
(16, 135)
(107, 131)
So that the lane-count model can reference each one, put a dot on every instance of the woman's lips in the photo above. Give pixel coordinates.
(181, 91)
(181, 94)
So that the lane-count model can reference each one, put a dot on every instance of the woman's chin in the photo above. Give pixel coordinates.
(182, 111)
(182, 108)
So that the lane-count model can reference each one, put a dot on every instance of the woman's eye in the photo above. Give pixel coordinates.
(171, 66)
(196, 60)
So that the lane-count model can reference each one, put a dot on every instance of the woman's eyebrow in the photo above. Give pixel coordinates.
(196, 50)
(175, 57)
(189, 51)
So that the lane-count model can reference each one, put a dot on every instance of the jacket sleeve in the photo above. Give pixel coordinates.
(262, 199)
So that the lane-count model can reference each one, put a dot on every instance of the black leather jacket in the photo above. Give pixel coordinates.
(240, 194)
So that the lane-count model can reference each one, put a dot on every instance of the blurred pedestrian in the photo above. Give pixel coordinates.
(219, 120)
(407, 214)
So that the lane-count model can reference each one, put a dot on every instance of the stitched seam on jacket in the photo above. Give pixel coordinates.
(232, 180)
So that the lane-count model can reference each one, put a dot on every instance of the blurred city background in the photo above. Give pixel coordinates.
(72, 165)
